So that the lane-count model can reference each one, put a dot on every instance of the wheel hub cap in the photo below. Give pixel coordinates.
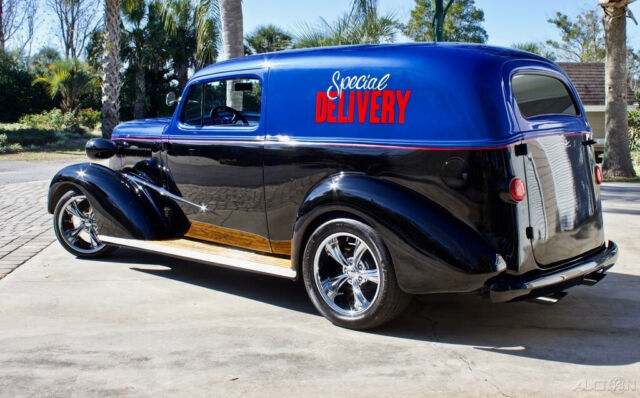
(346, 274)
(77, 226)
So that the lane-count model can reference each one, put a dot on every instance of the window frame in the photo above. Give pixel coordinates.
(222, 127)
(568, 89)
(186, 104)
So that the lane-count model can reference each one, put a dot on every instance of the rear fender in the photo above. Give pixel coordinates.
(123, 207)
(432, 251)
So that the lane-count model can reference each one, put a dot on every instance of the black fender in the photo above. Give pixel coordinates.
(122, 207)
(432, 251)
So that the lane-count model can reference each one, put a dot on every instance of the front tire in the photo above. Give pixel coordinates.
(349, 275)
(75, 227)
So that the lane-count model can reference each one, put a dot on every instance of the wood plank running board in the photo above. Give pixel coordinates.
(210, 254)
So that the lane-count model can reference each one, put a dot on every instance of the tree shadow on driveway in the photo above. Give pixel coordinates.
(596, 325)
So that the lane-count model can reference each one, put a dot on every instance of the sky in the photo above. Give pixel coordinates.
(506, 21)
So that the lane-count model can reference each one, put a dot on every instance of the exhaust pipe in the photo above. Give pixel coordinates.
(549, 299)
(593, 278)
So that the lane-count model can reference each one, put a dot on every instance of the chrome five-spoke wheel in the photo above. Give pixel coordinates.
(346, 273)
(75, 226)
(349, 276)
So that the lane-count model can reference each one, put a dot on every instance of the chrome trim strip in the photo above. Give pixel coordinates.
(163, 191)
(201, 257)
(283, 139)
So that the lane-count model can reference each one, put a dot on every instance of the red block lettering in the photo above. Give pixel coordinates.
(363, 103)
(388, 102)
(321, 107)
(341, 118)
(402, 103)
(373, 118)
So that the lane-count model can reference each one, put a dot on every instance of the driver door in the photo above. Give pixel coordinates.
(215, 160)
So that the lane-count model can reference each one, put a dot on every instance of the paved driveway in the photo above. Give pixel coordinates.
(143, 325)
(25, 225)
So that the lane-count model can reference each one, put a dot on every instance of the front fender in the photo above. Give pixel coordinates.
(123, 208)
(432, 251)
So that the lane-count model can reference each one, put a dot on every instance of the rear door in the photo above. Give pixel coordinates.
(564, 205)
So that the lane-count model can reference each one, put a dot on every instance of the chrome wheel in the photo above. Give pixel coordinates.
(346, 274)
(77, 225)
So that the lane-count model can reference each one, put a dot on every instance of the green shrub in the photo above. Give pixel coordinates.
(17, 95)
(30, 136)
(88, 118)
(634, 129)
(6, 147)
(68, 122)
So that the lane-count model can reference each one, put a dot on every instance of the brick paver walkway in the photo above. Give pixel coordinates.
(25, 224)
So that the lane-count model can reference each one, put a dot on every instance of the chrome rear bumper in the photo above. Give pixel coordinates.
(587, 271)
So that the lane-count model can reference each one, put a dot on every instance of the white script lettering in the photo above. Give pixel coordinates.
(362, 82)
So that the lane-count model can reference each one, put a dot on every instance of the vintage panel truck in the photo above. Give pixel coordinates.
(371, 172)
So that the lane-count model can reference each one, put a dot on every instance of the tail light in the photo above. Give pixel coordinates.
(517, 189)
(597, 172)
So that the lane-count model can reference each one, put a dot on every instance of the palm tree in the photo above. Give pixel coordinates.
(617, 157)
(193, 26)
(111, 67)
(232, 28)
(361, 25)
(348, 29)
(232, 42)
(134, 12)
(69, 78)
(268, 38)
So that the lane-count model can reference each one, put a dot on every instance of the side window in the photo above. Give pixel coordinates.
(192, 111)
(539, 95)
(243, 96)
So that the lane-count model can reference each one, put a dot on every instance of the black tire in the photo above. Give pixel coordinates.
(340, 304)
(82, 247)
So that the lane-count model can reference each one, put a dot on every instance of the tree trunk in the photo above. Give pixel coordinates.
(439, 20)
(2, 39)
(232, 42)
(111, 68)
(617, 157)
(182, 73)
(138, 107)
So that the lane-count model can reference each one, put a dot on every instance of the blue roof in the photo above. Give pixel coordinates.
(422, 94)
(417, 49)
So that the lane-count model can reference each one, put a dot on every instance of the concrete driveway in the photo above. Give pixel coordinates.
(143, 325)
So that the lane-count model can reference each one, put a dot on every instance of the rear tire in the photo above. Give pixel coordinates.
(349, 275)
(75, 227)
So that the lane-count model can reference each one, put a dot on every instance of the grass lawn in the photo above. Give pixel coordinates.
(49, 155)
(28, 143)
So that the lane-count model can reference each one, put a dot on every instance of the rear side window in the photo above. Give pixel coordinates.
(539, 95)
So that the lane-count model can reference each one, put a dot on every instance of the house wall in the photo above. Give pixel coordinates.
(596, 120)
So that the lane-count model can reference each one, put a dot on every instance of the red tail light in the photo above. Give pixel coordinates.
(517, 189)
(597, 172)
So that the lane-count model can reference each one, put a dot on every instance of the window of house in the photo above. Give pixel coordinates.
(538, 95)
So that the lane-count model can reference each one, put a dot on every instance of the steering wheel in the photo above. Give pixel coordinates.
(226, 115)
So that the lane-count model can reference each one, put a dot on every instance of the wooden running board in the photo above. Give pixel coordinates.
(210, 253)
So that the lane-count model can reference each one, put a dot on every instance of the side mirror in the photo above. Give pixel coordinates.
(171, 100)
(100, 148)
